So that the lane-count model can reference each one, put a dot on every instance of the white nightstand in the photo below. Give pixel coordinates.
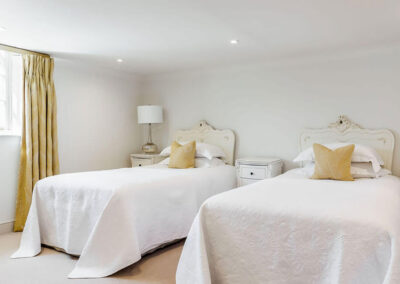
(250, 170)
(140, 160)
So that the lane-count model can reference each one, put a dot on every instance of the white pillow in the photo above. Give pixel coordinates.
(201, 162)
(203, 150)
(361, 153)
(358, 170)
(208, 163)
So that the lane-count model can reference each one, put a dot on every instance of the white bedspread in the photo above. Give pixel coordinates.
(110, 218)
(291, 229)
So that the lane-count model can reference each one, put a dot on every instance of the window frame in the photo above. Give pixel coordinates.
(11, 128)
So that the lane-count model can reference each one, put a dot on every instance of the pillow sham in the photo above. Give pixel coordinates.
(201, 162)
(203, 150)
(182, 156)
(333, 164)
(358, 170)
(361, 153)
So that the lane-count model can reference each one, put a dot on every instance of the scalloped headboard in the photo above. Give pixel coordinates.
(203, 132)
(343, 130)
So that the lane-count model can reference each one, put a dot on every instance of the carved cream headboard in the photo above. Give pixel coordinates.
(343, 130)
(203, 132)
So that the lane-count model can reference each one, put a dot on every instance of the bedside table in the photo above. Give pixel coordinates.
(251, 170)
(140, 160)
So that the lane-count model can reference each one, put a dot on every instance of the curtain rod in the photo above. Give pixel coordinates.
(21, 50)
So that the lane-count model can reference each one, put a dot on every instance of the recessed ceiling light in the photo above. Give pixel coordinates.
(2, 29)
(119, 60)
(234, 41)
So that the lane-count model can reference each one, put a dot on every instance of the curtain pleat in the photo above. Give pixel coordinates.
(39, 149)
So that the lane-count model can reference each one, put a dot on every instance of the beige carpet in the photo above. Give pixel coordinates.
(53, 267)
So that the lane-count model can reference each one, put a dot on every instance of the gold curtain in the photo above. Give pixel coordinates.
(39, 147)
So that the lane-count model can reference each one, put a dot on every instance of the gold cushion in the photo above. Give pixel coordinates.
(182, 156)
(333, 164)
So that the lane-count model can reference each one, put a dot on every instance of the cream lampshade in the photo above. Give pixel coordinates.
(149, 114)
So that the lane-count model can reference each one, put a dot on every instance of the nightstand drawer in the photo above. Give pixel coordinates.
(253, 172)
(137, 162)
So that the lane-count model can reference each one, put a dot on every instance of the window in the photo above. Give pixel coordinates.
(10, 93)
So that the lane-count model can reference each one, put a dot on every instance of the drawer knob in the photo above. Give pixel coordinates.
(251, 173)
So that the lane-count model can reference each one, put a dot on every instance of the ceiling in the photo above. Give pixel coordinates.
(153, 36)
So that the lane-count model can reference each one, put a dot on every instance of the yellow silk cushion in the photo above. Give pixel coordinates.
(182, 156)
(333, 164)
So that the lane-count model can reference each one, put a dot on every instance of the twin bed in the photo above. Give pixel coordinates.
(293, 229)
(289, 229)
(111, 218)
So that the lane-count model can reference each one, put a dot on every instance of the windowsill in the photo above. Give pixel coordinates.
(9, 133)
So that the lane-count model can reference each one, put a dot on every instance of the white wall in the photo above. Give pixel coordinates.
(9, 162)
(267, 104)
(96, 126)
(96, 117)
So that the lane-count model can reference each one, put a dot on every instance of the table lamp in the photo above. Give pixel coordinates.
(149, 114)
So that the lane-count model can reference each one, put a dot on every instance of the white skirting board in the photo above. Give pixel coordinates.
(6, 227)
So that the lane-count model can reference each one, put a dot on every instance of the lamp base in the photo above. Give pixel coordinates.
(149, 148)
